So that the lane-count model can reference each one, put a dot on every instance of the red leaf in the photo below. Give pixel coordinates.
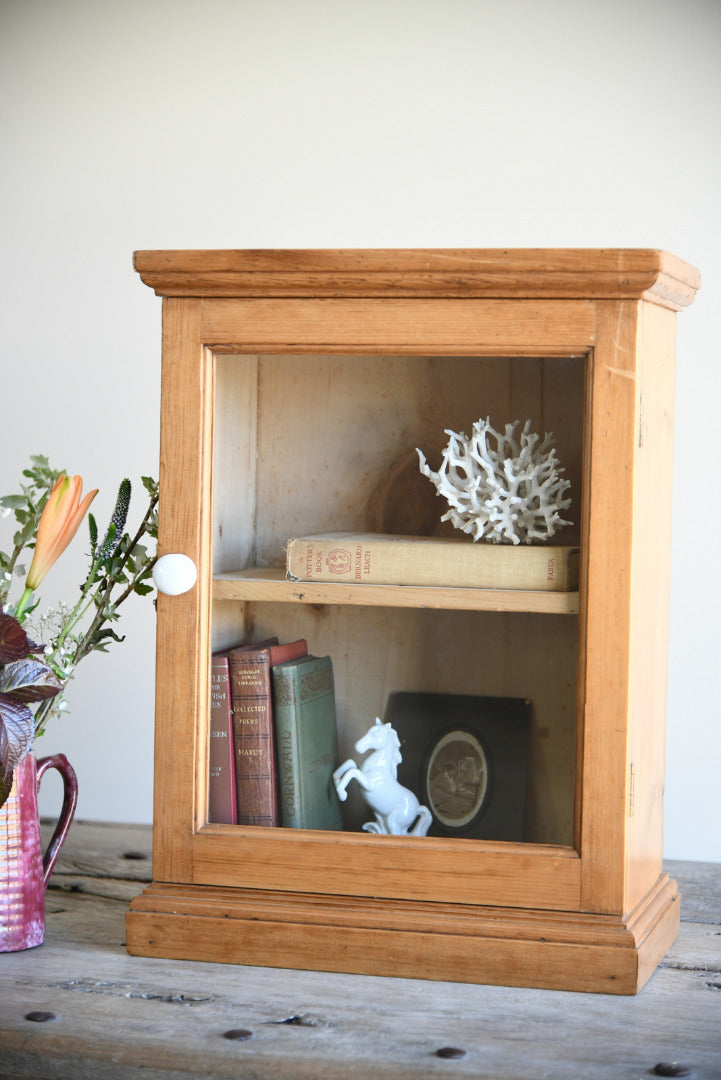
(29, 680)
(17, 726)
(6, 786)
(14, 642)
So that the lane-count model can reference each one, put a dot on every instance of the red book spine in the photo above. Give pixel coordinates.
(222, 801)
(253, 734)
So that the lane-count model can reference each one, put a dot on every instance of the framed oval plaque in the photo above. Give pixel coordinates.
(465, 757)
(456, 779)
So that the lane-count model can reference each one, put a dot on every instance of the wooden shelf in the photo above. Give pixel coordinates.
(270, 585)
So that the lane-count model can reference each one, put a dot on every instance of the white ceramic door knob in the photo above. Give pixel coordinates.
(174, 574)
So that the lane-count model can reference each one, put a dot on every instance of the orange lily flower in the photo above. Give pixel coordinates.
(58, 524)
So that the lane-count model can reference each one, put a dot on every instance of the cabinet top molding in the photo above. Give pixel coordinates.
(498, 273)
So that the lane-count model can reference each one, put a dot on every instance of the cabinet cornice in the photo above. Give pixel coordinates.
(551, 273)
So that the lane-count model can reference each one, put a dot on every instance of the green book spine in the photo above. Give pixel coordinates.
(307, 743)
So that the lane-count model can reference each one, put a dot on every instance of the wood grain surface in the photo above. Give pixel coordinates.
(551, 272)
(116, 1016)
(296, 386)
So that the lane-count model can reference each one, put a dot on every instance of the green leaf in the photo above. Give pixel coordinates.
(13, 502)
(103, 635)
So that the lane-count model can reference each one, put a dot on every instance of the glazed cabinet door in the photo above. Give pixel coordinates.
(320, 434)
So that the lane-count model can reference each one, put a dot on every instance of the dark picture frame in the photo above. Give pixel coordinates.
(465, 757)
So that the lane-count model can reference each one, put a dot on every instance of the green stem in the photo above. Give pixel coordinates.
(74, 618)
(23, 604)
(85, 599)
(43, 714)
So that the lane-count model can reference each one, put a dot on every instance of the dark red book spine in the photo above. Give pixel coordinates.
(222, 801)
(253, 733)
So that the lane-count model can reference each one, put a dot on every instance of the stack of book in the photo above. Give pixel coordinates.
(273, 738)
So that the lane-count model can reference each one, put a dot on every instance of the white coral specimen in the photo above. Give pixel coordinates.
(510, 494)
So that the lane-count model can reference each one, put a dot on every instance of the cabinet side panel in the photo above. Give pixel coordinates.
(649, 600)
(182, 654)
(607, 609)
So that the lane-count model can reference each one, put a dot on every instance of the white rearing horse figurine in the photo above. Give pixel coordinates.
(397, 810)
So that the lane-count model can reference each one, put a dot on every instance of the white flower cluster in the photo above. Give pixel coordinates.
(512, 493)
(47, 628)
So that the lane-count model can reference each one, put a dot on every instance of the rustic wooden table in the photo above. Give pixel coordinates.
(113, 1015)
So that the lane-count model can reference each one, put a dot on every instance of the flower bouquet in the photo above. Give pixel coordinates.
(48, 512)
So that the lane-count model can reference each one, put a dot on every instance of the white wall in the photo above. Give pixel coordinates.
(329, 123)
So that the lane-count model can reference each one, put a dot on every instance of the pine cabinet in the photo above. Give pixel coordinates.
(296, 387)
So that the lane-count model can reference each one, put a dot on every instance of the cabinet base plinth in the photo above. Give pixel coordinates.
(457, 943)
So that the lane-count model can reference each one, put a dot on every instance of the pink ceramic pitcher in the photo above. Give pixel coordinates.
(24, 870)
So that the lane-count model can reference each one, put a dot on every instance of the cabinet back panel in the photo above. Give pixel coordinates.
(307, 443)
(378, 651)
(314, 443)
